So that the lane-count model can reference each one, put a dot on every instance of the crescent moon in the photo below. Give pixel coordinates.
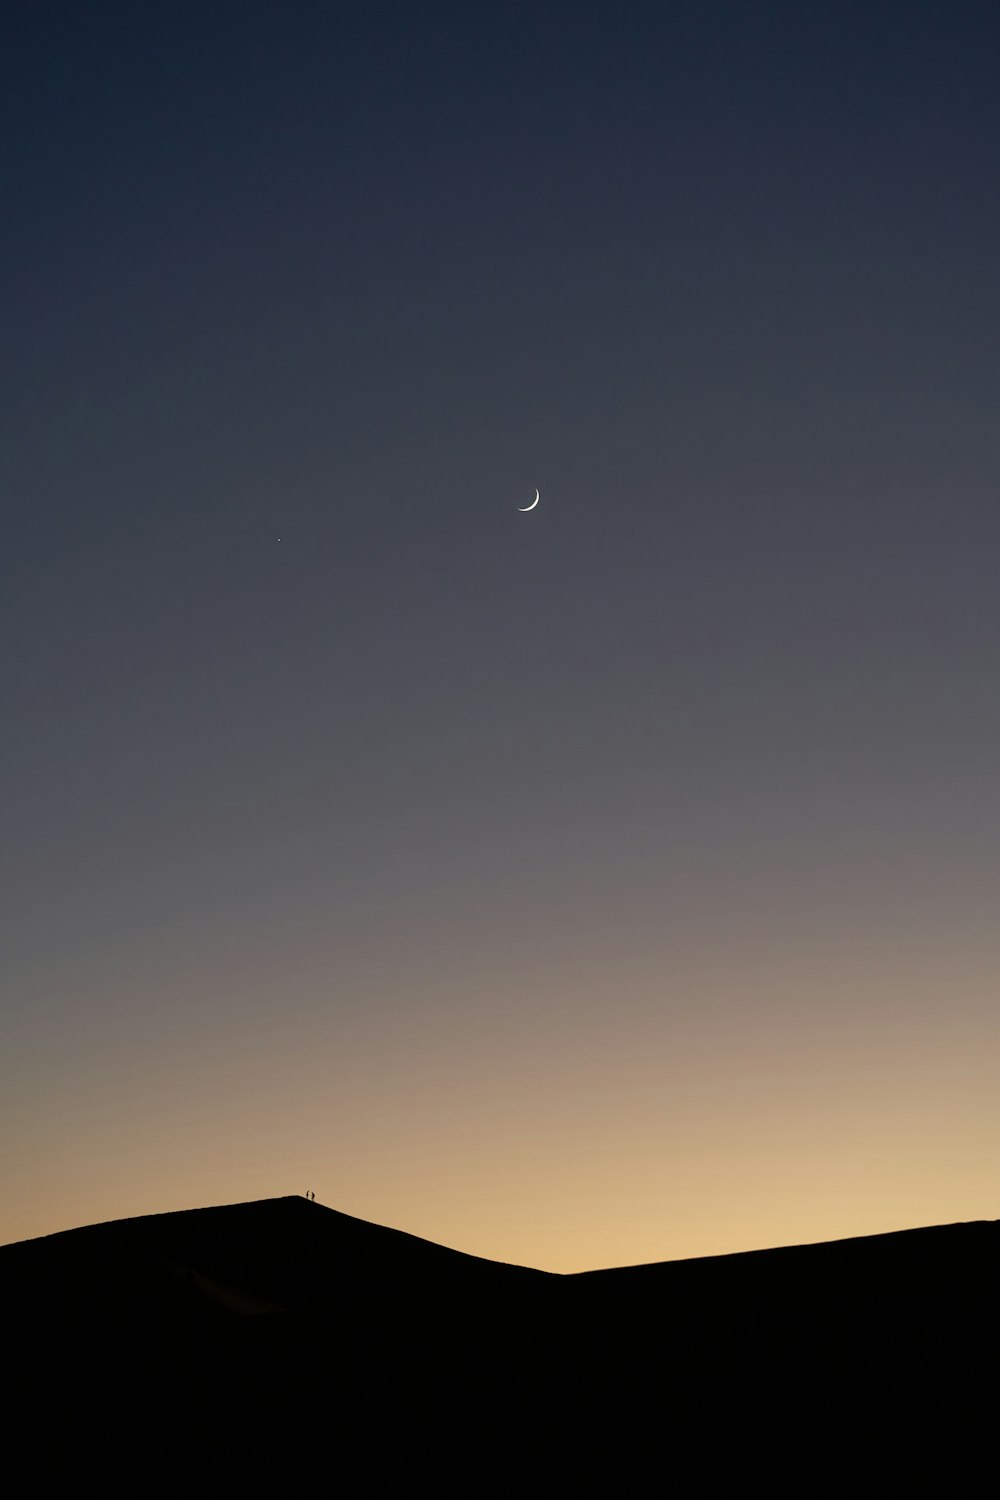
(523, 508)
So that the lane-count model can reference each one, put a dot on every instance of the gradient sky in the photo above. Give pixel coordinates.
(611, 883)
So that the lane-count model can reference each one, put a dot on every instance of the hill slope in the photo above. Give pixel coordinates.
(275, 1254)
(940, 1259)
(280, 1348)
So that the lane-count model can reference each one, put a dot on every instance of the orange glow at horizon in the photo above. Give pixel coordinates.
(703, 1112)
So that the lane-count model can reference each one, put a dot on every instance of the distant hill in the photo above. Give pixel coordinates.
(923, 1262)
(279, 1254)
(282, 1348)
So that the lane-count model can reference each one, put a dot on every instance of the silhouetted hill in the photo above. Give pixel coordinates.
(922, 1262)
(280, 1348)
(276, 1254)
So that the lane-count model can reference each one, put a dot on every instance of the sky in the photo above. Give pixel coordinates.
(608, 883)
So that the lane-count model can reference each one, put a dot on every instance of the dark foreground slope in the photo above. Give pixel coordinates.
(279, 1348)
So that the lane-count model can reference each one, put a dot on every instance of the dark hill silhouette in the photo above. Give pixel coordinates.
(282, 1348)
(276, 1254)
(908, 1261)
